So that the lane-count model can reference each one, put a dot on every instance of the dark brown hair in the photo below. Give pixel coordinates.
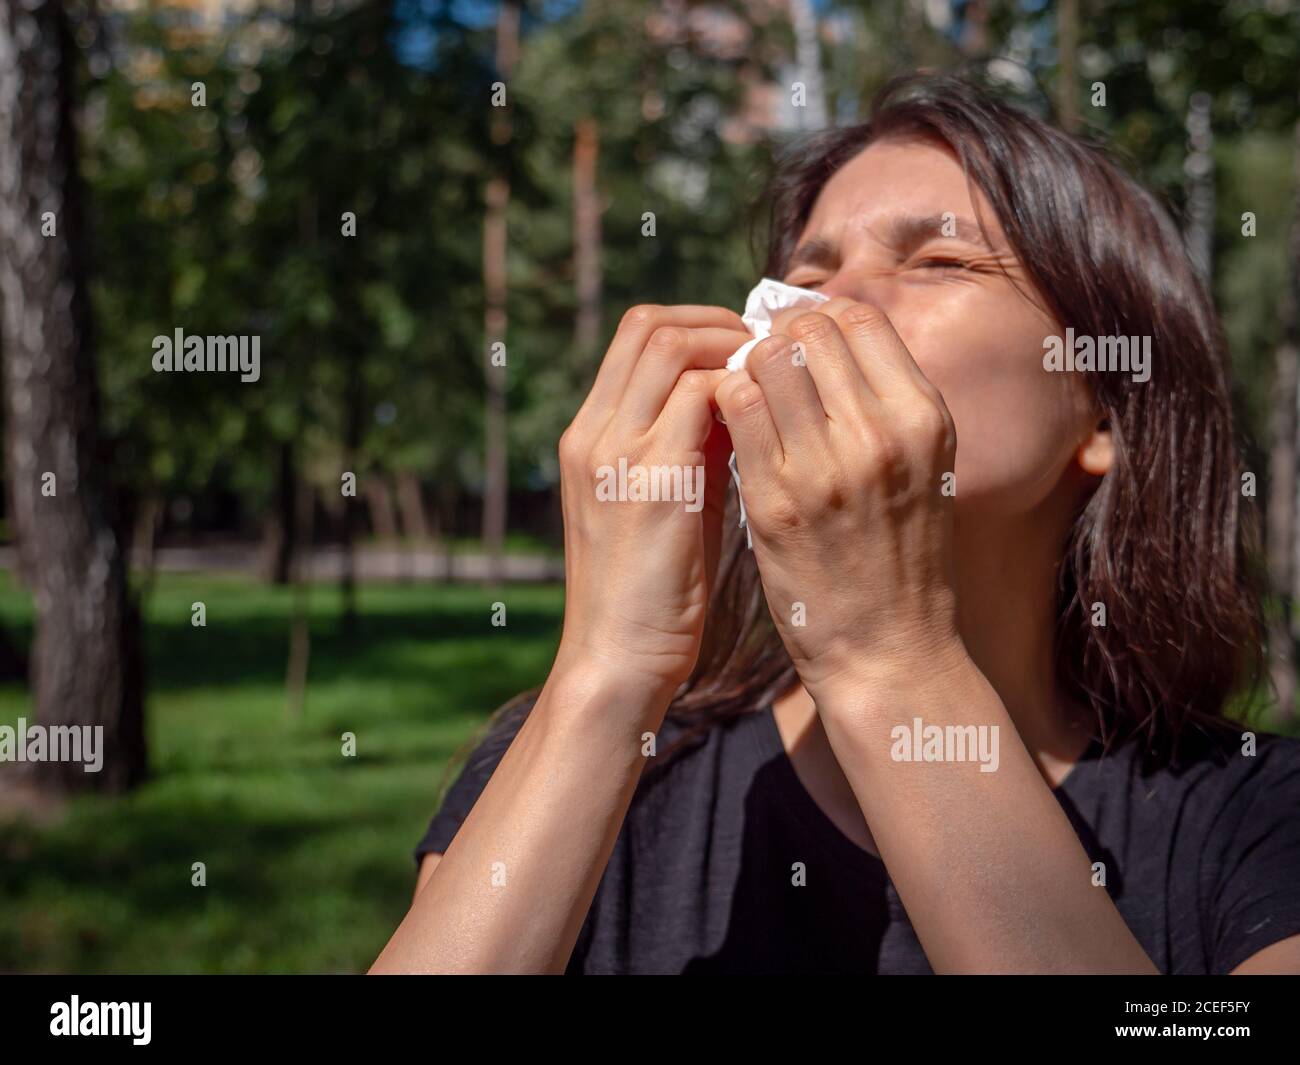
(1167, 541)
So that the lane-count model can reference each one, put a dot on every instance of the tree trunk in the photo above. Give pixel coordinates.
(86, 665)
(280, 534)
(1284, 558)
(1281, 524)
(379, 495)
(354, 408)
(410, 500)
(444, 514)
(1067, 47)
(808, 62)
(586, 237)
(496, 484)
(1198, 169)
(144, 541)
(300, 617)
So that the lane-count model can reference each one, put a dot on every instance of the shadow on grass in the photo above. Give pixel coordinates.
(308, 853)
(254, 650)
(147, 856)
(241, 648)
(261, 874)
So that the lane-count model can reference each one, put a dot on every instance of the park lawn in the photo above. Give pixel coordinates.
(307, 852)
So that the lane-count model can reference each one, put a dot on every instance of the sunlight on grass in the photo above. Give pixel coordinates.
(308, 853)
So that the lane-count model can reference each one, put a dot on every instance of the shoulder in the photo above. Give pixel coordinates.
(1225, 791)
(1229, 765)
(1204, 847)
(1241, 766)
(1251, 854)
(1255, 786)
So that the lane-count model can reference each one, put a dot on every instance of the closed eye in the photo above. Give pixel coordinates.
(942, 264)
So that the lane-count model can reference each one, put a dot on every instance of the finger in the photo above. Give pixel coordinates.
(749, 422)
(782, 318)
(629, 341)
(688, 424)
(835, 370)
(882, 357)
(686, 420)
(881, 354)
(782, 372)
(670, 352)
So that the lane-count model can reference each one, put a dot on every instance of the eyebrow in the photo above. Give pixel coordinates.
(905, 233)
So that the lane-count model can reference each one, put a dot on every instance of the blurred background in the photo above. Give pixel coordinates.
(433, 214)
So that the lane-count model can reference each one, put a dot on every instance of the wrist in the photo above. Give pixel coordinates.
(876, 684)
(607, 688)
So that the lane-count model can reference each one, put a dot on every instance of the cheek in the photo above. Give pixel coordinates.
(1017, 424)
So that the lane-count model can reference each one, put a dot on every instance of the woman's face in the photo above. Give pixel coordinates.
(896, 226)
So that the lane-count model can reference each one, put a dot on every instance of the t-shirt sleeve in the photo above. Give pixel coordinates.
(1259, 886)
(471, 781)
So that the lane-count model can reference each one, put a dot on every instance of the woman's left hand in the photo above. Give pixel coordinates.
(846, 454)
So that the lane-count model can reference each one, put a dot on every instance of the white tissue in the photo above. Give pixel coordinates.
(765, 298)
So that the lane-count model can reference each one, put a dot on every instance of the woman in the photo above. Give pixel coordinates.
(961, 707)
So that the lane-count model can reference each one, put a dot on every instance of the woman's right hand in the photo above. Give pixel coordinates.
(637, 573)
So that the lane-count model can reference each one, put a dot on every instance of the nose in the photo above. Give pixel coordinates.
(862, 284)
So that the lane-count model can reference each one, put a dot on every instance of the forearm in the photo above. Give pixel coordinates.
(990, 871)
(512, 890)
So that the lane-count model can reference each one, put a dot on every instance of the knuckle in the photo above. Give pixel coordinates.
(572, 451)
(746, 399)
(667, 342)
(812, 327)
(930, 423)
(639, 316)
(833, 306)
(949, 426)
(890, 452)
(933, 423)
(694, 382)
(862, 318)
(783, 514)
(880, 451)
(826, 491)
(868, 438)
(766, 355)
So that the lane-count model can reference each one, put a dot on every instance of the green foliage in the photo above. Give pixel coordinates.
(227, 218)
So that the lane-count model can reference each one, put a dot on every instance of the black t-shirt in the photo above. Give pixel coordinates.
(1203, 862)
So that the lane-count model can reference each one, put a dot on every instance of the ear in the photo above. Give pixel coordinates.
(1097, 452)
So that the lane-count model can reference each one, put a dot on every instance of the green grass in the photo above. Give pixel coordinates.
(307, 851)
(517, 542)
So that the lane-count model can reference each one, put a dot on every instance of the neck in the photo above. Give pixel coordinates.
(1007, 602)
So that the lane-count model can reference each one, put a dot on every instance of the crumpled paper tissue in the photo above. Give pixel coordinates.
(765, 298)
